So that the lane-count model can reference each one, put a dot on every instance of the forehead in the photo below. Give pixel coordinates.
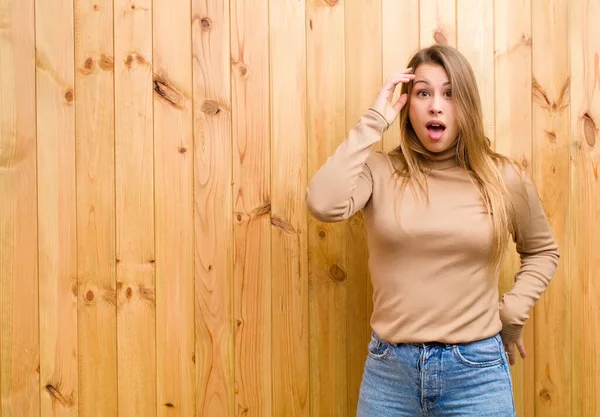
(431, 73)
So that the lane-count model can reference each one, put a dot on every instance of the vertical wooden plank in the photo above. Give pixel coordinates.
(400, 40)
(513, 120)
(584, 213)
(327, 267)
(289, 221)
(437, 22)
(252, 206)
(174, 228)
(363, 45)
(94, 122)
(213, 208)
(57, 208)
(475, 40)
(134, 158)
(550, 87)
(287, 37)
(19, 336)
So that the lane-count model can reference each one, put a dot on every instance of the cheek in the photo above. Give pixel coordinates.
(414, 112)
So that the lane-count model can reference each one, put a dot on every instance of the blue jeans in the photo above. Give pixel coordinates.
(435, 380)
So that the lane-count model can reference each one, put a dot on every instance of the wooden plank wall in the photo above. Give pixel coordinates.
(156, 255)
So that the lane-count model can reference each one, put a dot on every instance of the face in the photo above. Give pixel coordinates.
(432, 110)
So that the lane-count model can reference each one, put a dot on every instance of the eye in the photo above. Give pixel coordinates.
(423, 93)
(448, 93)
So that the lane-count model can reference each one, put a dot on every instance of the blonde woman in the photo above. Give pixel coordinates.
(438, 211)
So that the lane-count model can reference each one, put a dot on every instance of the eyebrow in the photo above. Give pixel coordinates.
(427, 82)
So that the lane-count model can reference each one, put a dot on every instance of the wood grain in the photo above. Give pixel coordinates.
(252, 207)
(513, 124)
(363, 40)
(327, 266)
(551, 105)
(94, 122)
(213, 214)
(399, 41)
(57, 208)
(19, 338)
(584, 212)
(475, 40)
(174, 206)
(287, 37)
(134, 194)
(437, 22)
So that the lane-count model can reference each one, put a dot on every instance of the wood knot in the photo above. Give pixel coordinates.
(182, 149)
(525, 163)
(69, 96)
(243, 70)
(106, 62)
(337, 273)
(96, 7)
(440, 37)
(129, 61)
(205, 24)
(128, 292)
(88, 66)
(140, 59)
(238, 323)
(89, 295)
(589, 129)
(210, 107)
(168, 93)
(133, 7)
(169, 405)
(545, 395)
(551, 135)
(322, 234)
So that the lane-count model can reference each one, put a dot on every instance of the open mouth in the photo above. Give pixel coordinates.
(435, 129)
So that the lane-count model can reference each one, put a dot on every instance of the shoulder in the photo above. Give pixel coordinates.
(515, 177)
(383, 162)
(521, 189)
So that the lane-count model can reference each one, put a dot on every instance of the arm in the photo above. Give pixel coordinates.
(344, 184)
(537, 249)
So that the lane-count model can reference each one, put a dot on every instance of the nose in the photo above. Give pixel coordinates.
(435, 106)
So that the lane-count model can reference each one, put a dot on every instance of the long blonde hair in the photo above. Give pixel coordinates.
(473, 148)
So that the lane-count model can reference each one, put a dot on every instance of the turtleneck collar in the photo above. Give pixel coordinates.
(441, 160)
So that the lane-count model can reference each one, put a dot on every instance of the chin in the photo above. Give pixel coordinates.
(437, 146)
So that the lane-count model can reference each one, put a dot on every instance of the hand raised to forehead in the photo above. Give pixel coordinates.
(383, 102)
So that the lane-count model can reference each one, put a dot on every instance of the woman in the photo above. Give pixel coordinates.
(438, 211)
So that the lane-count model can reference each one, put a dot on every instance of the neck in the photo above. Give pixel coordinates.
(441, 160)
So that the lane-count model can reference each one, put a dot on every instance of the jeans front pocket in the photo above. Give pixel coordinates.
(480, 354)
(378, 349)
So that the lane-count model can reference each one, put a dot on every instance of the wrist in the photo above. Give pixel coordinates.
(380, 116)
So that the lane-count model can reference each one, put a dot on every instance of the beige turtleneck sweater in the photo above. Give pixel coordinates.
(429, 263)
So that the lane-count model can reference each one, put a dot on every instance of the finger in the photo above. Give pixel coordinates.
(401, 102)
(407, 71)
(399, 77)
(521, 348)
(510, 352)
(392, 83)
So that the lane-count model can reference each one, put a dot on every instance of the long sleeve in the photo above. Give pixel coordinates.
(537, 249)
(343, 185)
